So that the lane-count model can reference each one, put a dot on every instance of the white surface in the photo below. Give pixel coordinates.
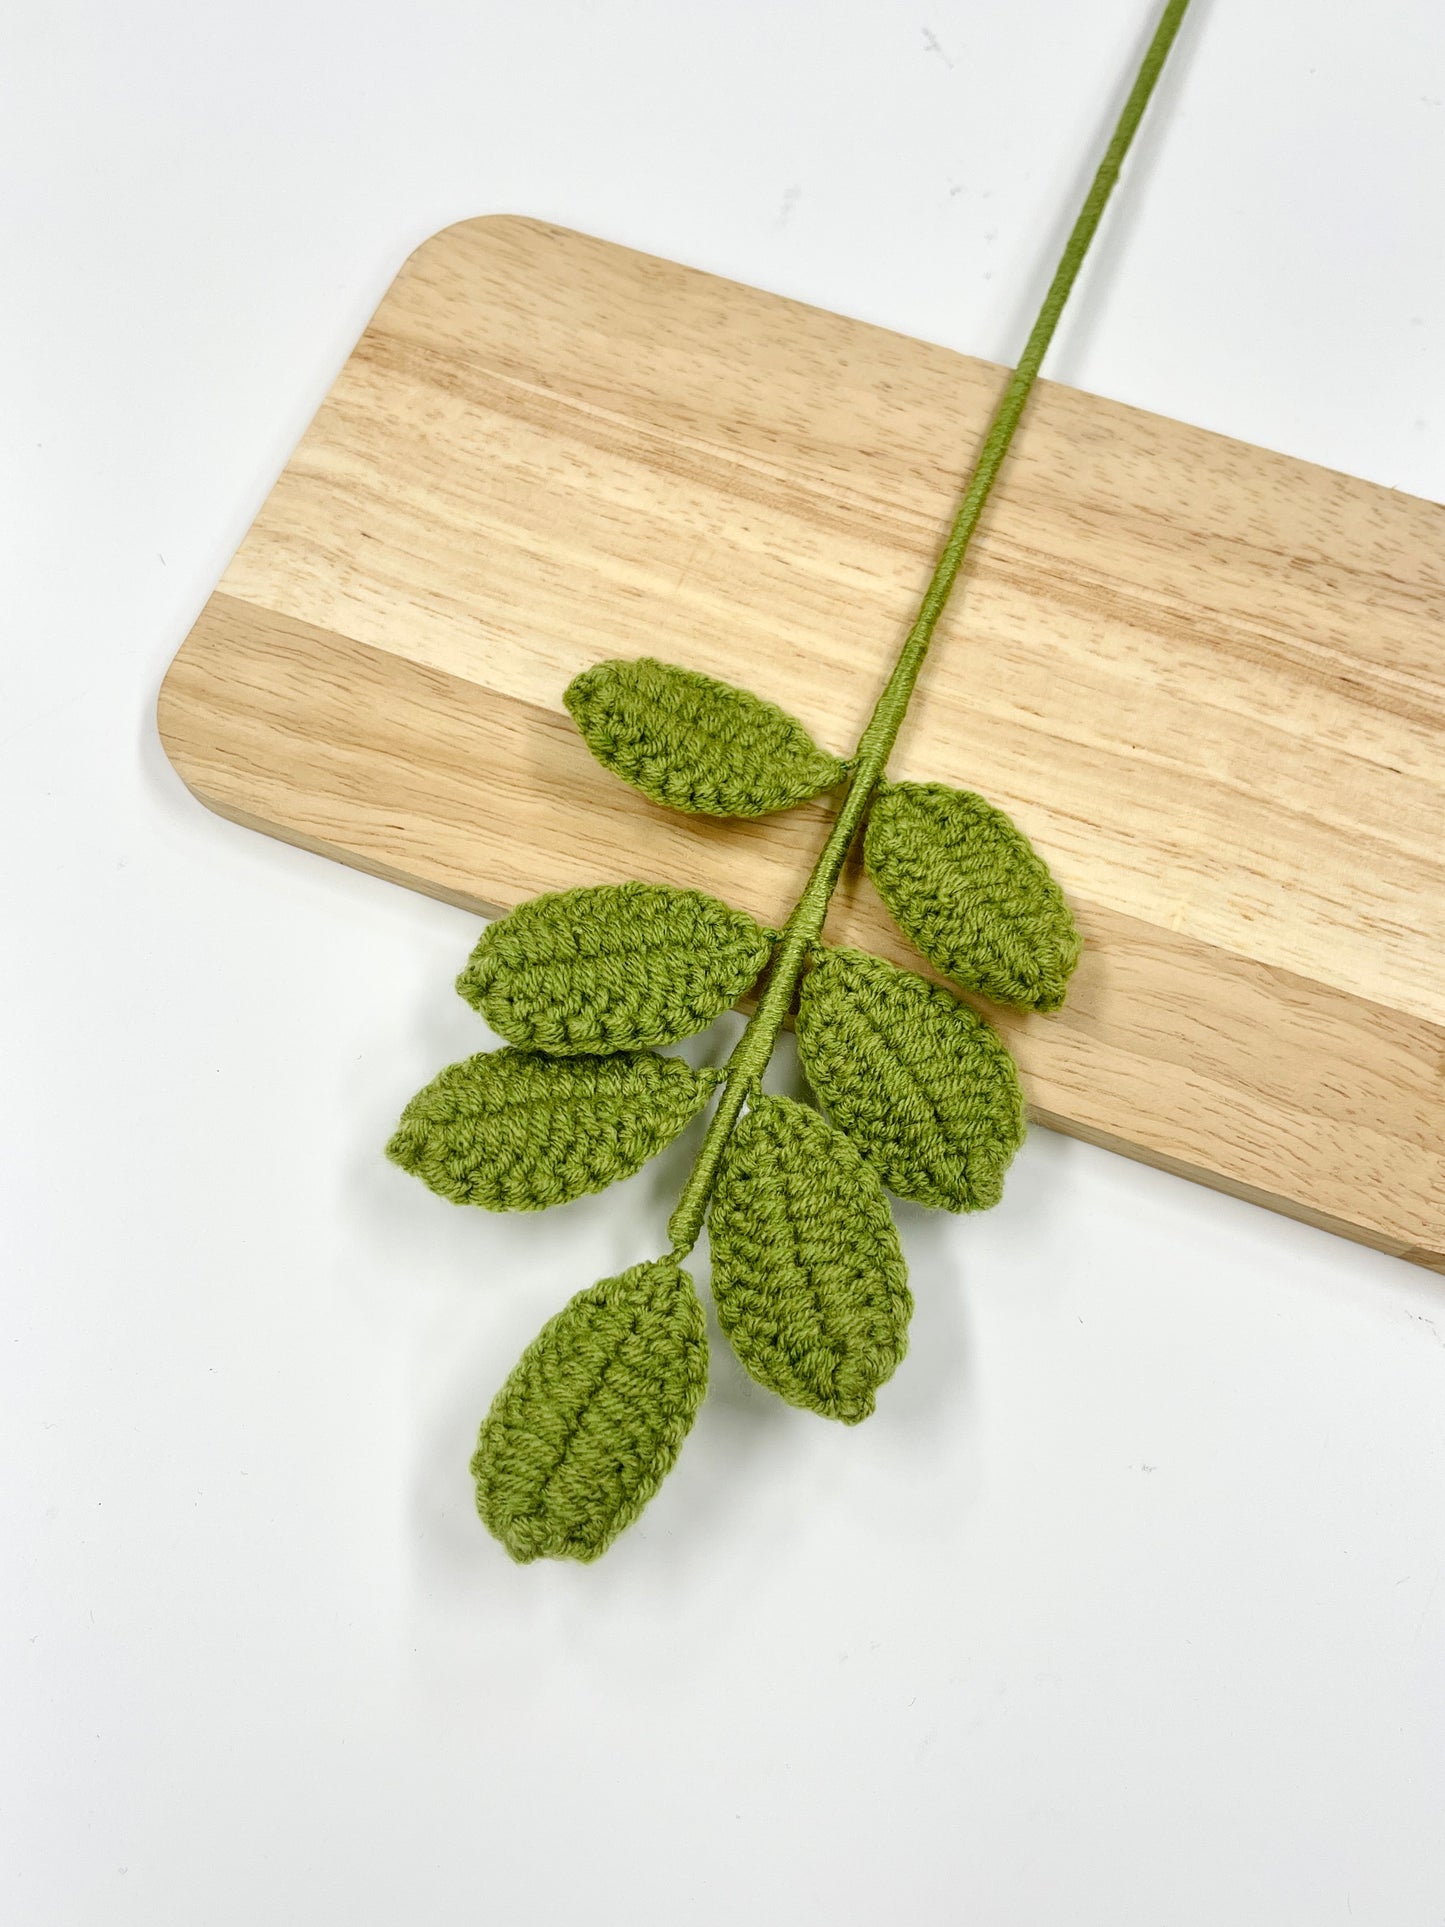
(1128, 1607)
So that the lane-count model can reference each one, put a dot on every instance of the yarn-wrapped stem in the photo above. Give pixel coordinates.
(744, 1068)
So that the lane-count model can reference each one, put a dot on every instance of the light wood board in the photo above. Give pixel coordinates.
(1208, 680)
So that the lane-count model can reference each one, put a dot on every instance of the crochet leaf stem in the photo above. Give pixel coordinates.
(745, 1067)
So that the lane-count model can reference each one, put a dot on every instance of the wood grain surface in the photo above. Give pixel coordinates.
(1209, 681)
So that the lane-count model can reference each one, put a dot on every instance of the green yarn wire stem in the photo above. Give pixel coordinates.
(745, 1067)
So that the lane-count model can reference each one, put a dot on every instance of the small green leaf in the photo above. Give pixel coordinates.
(594, 1415)
(693, 743)
(971, 892)
(923, 1086)
(807, 1273)
(514, 1131)
(622, 966)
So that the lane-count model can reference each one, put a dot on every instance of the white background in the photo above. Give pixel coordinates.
(1129, 1606)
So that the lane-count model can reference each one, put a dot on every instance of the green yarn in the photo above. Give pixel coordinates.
(593, 1416)
(693, 743)
(807, 1274)
(622, 966)
(923, 1086)
(968, 887)
(515, 1131)
(1021, 382)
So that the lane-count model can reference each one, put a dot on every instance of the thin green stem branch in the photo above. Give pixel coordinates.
(745, 1067)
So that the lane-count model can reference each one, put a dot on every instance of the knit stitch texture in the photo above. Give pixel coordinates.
(693, 743)
(968, 887)
(807, 1272)
(593, 1416)
(514, 1131)
(622, 966)
(921, 1084)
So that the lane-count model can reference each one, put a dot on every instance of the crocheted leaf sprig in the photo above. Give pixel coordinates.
(918, 1094)
(587, 987)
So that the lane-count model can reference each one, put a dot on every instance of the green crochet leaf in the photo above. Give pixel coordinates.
(693, 743)
(923, 1086)
(807, 1274)
(971, 892)
(621, 966)
(593, 1416)
(514, 1131)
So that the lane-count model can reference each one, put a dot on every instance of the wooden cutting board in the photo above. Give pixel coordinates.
(1208, 680)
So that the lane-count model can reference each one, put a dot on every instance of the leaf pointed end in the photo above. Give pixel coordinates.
(1056, 964)
(404, 1146)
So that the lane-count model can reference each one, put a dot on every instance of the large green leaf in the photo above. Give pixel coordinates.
(515, 1131)
(592, 1418)
(971, 892)
(922, 1085)
(694, 743)
(620, 966)
(807, 1273)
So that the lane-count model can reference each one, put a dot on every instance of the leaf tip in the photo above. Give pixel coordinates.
(478, 973)
(1056, 964)
(403, 1147)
